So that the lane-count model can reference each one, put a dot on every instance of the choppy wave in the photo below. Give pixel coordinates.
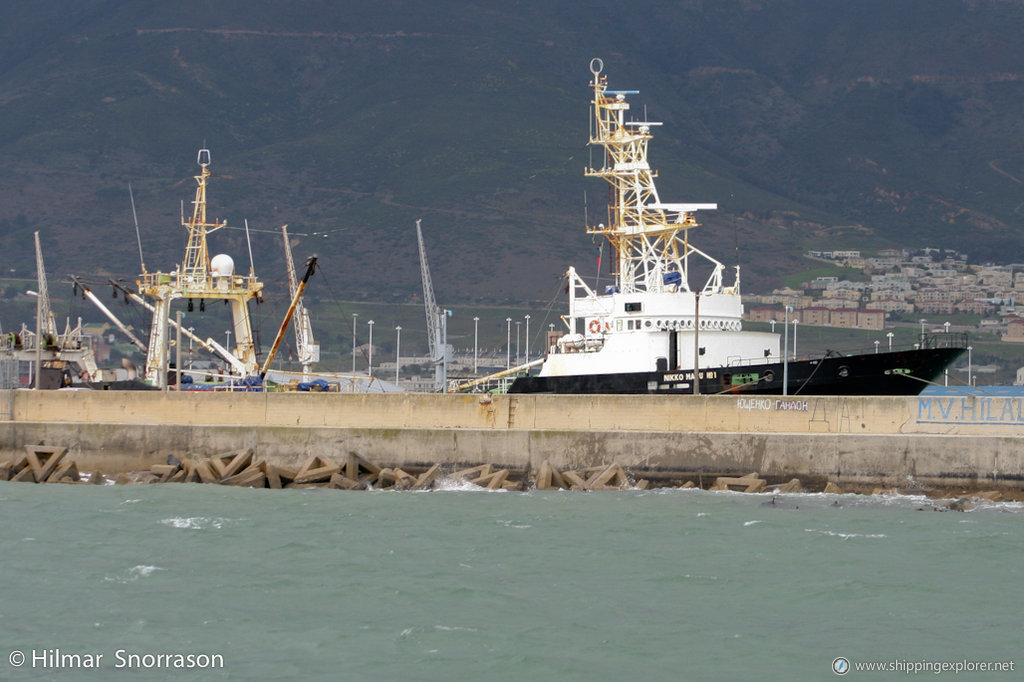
(133, 574)
(196, 522)
(845, 536)
(459, 484)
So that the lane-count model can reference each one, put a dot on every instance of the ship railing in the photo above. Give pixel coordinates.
(943, 340)
(210, 287)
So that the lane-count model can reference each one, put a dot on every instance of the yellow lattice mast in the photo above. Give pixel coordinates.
(196, 265)
(644, 232)
(199, 277)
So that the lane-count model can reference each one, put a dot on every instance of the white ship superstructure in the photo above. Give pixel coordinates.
(668, 308)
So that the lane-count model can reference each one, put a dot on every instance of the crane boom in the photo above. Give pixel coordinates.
(428, 297)
(310, 266)
(437, 333)
(307, 349)
(47, 322)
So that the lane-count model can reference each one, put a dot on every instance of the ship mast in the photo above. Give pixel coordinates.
(649, 239)
(199, 277)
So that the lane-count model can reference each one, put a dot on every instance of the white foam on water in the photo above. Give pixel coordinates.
(133, 574)
(751, 523)
(845, 536)
(512, 524)
(196, 522)
(455, 628)
(459, 484)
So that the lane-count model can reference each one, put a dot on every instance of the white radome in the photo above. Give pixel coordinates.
(222, 265)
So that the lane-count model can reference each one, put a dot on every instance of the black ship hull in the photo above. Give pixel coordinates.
(893, 373)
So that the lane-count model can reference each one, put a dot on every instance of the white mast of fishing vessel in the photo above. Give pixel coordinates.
(201, 277)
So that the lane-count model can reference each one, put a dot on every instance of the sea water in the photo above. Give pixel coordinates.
(201, 582)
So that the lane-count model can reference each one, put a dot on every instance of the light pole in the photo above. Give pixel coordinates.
(369, 368)
(354, 316)
(476, 327)
(772, 323)
(398, 350)
(969, 368)
(876, 346)
(946, 326)
(508, 342)
(889, 336)
(527, 337)
(177, 351)
(39, 338)
(795, 323)
(191, 331)
(785, 354)
(922, 321)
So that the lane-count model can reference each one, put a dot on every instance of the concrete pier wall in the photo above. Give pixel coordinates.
(884, 440)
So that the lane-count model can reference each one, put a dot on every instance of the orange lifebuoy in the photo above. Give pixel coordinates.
(595, 326)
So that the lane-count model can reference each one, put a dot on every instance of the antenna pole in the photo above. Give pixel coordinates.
(252, 271)
(138, 238)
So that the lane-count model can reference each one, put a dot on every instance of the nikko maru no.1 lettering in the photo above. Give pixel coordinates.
(970, 410)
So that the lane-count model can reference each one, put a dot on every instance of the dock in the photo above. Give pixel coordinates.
(971, 442)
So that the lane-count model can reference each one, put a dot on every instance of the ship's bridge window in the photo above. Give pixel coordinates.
(634, 307)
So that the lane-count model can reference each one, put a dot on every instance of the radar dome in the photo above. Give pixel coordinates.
(222, 265)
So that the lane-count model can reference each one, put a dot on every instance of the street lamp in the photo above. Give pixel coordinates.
(969, 368)
(772, 323)
(398, 350)
(476, 321)
(795, 323)
(946, 325)
(191, 331)
(527, 337)
(369, 363)
(785, 355)
(922, 321)
(889, 336)
(508, 342)
(354, 316)
(876, 346)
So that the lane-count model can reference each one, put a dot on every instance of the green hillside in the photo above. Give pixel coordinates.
(813, 125)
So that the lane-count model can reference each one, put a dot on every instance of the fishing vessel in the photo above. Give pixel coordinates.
(669, 322)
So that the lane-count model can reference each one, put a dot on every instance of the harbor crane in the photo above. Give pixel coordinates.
(307, 350)
(437, 327)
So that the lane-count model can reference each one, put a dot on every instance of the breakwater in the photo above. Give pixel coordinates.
(973, 442)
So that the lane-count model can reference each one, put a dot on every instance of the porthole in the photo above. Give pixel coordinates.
(844, 371)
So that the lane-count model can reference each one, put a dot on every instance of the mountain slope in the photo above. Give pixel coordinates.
(825, 125)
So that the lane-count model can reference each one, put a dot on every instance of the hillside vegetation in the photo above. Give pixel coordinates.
(812, 124)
